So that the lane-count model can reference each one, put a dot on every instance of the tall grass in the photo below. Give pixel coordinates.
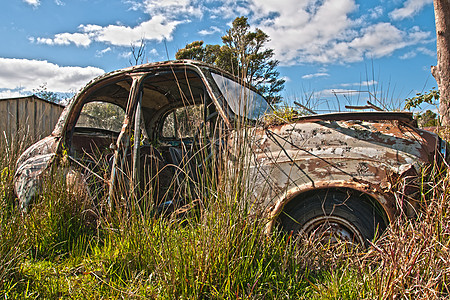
(65, 248)
(12, 238)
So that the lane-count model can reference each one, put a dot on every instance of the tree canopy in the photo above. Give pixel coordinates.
(43, 93)
(243, 54)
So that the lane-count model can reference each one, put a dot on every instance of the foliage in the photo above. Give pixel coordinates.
(102, 115)
(243, 54)
(430, 97)
(281, 115)
(197, 51)
(183, 121)
(427, 119)
(43, 92)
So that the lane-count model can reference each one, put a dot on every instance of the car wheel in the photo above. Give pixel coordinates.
(331, 216)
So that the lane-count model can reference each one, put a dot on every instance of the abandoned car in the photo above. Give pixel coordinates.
(344, 175)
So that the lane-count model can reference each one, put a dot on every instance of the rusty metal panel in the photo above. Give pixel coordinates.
(30, 167)
(403, 116)
(361, 155)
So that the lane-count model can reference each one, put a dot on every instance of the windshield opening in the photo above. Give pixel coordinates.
(243, 101)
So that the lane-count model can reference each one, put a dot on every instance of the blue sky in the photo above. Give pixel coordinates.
(383, 46)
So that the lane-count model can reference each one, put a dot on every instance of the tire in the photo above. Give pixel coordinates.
(332, 215)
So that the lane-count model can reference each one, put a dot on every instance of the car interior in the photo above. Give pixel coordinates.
(177, 115)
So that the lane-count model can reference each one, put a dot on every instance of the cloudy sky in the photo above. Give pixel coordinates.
(384, 46)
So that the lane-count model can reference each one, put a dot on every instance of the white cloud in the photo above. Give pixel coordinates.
(360, 84)
(34, 3)
(376, 12)
(100, 53)
(79, 39)
(323, 32)
(379, 40)
(334, 92)
(6, 93)
(59, 3)
(301, 31)
(157, 29)
(426, 51)
(173, 8)
(410, 8)
(413, 53)
(153, 52)
(134, 4)
(309, 76)
(229, 9)
(126, 54)
(23, 75)
(164, 17)
(408, 55)
(211, 30)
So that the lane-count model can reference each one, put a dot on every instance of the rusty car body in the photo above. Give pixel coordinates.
(334, 174)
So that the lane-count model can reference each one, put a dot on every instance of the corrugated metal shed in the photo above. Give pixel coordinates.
(31, 116)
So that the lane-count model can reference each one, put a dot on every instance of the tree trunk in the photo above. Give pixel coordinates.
(441, 72)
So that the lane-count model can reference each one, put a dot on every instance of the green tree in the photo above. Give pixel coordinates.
(243, 54)
(430, 97)
(102, 115)
(427, 119)
(197, 51)
(43, 93)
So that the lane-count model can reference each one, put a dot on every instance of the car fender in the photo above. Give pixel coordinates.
(384, 199)
(31, 166)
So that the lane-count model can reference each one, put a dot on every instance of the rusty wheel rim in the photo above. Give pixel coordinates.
(332, 229)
